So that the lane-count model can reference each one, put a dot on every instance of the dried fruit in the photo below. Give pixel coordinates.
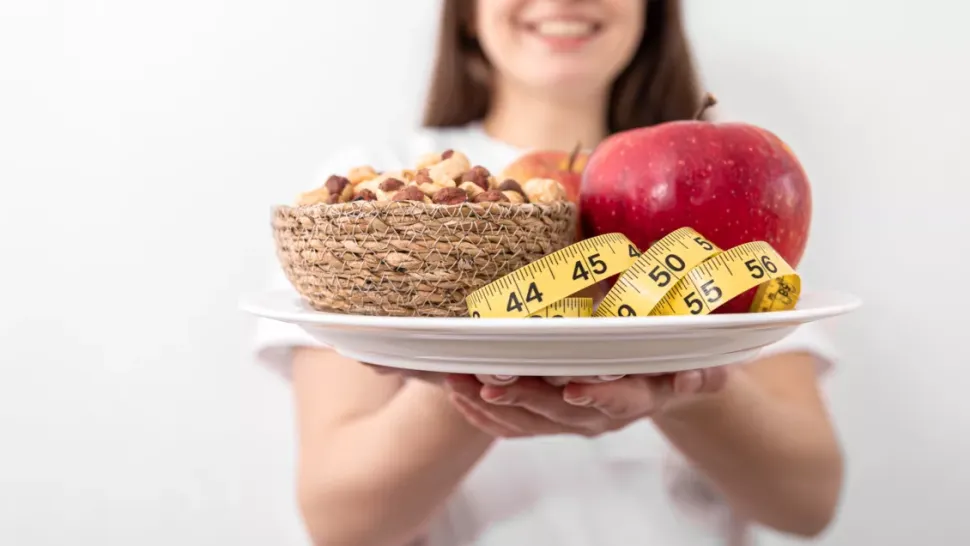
(544, 190)
(361, 174)
(450, 196)
(365, 195)
(391, 184)
(493, 196)
(409, 193)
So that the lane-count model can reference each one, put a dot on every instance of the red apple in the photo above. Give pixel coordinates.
(732, 182)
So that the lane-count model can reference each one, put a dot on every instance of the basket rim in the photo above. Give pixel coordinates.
(331, 209)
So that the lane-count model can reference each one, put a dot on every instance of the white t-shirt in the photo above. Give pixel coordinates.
(627, 487)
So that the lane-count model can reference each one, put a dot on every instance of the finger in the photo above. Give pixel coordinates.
(480, 419)
(630, 397)
(688, 382)
(543, 400)
(497, 379)
(715, 379)
(519, 420)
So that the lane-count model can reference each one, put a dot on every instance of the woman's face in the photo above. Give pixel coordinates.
(560, 46)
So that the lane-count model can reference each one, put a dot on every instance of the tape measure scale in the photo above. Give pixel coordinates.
(683, 273)
(569, 307)
(554, 277)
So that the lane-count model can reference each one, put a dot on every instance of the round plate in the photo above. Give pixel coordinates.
(549, 347)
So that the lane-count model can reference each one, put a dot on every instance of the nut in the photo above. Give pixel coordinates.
(450, 196)
(361, 174)
(372, 185)
(544, 190)
(339, 187)
(313, 197)
(511, 185)
(409, 193)
(447, 170)
(422, 177)
(471, 188)
(514, 197)
(477, 175)
(493, 196)
(390, 184)
(447, 153)
(365, 195)
(428, 160)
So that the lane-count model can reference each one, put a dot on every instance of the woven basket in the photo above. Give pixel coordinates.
(401, 258)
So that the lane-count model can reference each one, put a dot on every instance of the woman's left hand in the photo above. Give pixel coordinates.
(511, 407)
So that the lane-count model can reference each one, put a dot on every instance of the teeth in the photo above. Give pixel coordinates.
(565, 29)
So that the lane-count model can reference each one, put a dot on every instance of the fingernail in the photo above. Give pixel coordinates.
(581, 401)
(496, 397)
(610, 377)
(505, 378)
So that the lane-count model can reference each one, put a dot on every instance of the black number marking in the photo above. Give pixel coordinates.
(599, 266)
(514, 303)
(659, 276)
(634, 253)
(579, 272)
(533, 293)
(557, 316)
(754, 268)
(712, 292)
(476, 314)
(769, 265)
(674, 262)
(694, 303)
(706, 245)
(625, 311)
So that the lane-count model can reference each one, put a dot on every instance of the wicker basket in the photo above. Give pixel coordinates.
(401, 258)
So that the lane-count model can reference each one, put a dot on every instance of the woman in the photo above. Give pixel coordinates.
(387, 460)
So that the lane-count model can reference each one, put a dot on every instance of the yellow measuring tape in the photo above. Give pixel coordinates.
(683, 273)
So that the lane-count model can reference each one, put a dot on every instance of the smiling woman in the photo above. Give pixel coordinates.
(432, 457)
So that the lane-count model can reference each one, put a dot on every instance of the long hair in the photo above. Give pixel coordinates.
(658, 85)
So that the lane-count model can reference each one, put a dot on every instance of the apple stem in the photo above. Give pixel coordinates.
(574, 155)
(709, 101)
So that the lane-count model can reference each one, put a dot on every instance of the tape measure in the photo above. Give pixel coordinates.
(683, 273)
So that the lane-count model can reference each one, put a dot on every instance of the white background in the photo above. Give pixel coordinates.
(141, 144)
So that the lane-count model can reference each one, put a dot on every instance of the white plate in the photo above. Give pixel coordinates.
(550, 347)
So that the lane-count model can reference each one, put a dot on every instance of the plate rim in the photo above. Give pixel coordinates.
(254, 303)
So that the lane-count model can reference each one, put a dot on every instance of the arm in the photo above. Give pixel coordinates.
(374, 448)
(765, 440)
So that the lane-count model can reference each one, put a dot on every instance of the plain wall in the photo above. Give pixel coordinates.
(141, 144)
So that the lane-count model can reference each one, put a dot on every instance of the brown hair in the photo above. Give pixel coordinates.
(658, 85)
